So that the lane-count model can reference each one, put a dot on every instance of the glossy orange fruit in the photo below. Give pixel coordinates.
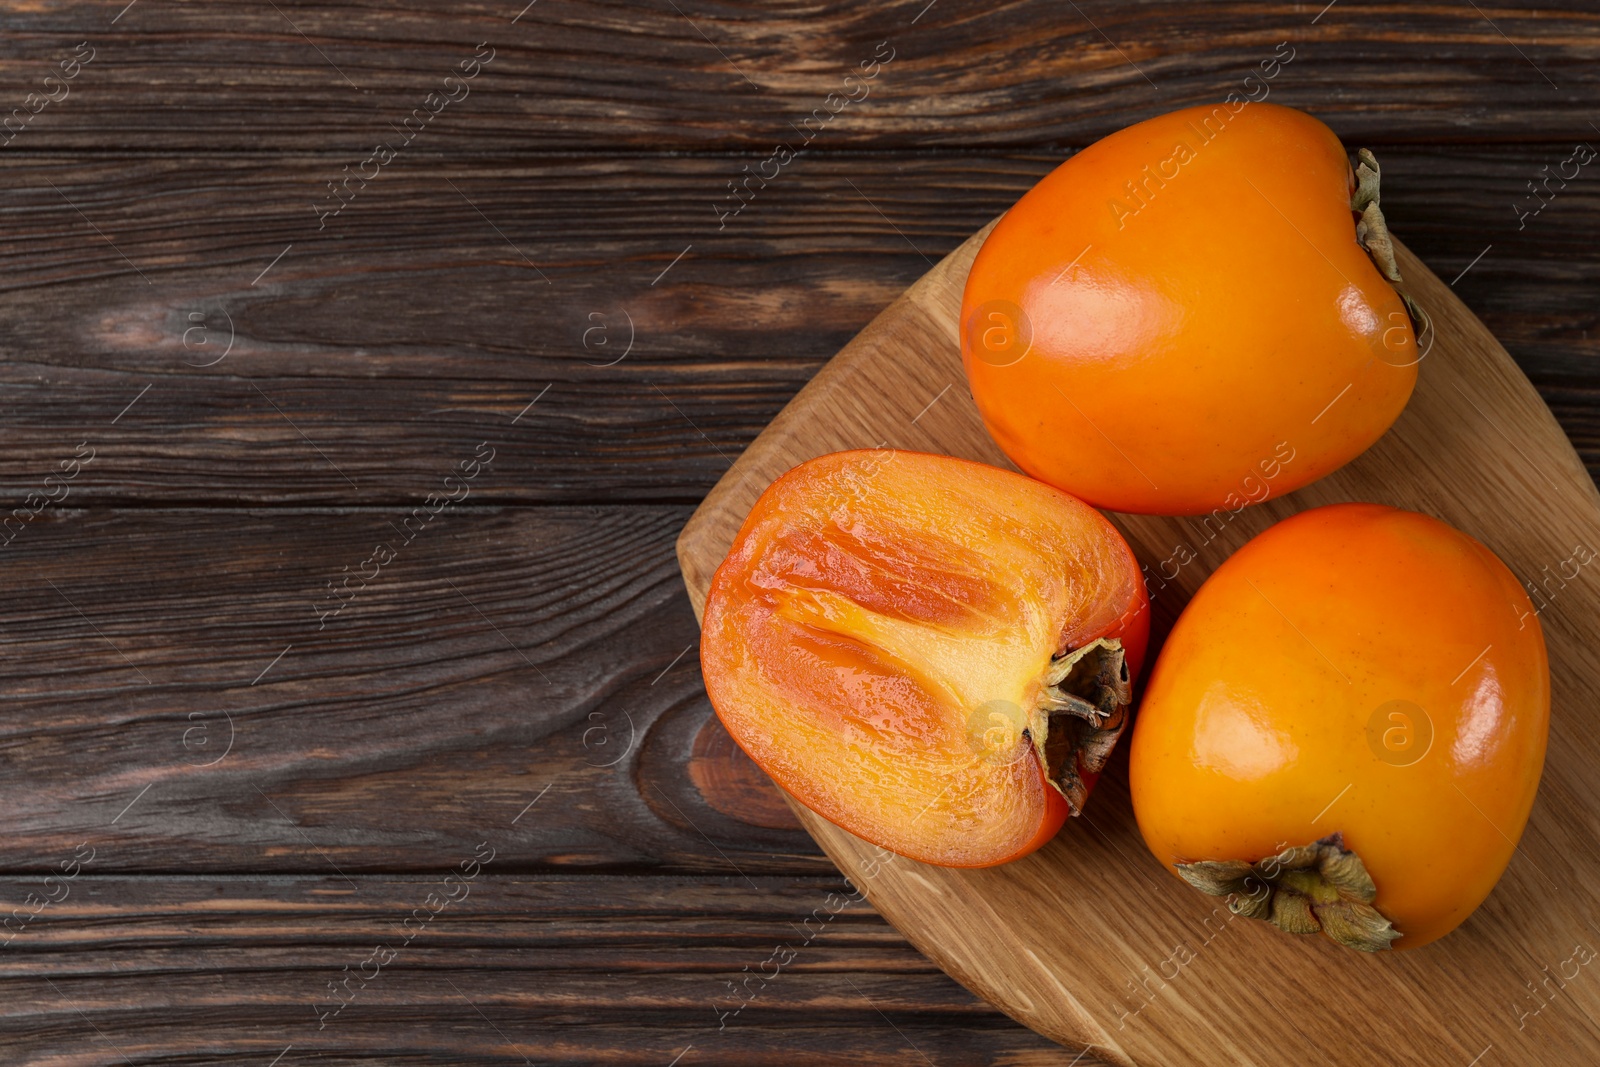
(1359, 671)
(1174, 310)
(931, 653)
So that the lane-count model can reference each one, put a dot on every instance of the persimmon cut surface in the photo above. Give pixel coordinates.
(931, 653)
(1181, 317)
(1358, 671)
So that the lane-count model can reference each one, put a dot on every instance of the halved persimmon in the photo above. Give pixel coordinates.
(934, 654)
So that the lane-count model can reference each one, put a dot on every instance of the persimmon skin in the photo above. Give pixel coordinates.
(875, 607)
(1197, 307)
(1264, 722)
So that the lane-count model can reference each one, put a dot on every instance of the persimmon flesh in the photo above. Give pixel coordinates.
(1174, 310)
(1346, 727)
(933, 654)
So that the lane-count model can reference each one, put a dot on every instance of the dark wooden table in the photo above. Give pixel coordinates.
(361, 363)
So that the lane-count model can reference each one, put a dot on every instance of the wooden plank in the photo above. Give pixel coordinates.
(179, 691)
(1475, 447)
(578, 968)
(583, 74)
(414, 325)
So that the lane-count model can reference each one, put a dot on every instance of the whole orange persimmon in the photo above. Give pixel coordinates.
(934, 654)
(1346, 727)
(1176, 308)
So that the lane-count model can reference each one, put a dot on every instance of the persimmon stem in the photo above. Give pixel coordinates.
(1372, 232)
(1322, 887)
(1081, 711)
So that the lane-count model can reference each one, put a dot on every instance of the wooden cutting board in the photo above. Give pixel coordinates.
(1089, 940)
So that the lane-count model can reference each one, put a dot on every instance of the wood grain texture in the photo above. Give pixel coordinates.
(593, 149)
(521, 679)
(169, 684)
(392, 340)
(1476, 447)
(553, 969)
(229, 75)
